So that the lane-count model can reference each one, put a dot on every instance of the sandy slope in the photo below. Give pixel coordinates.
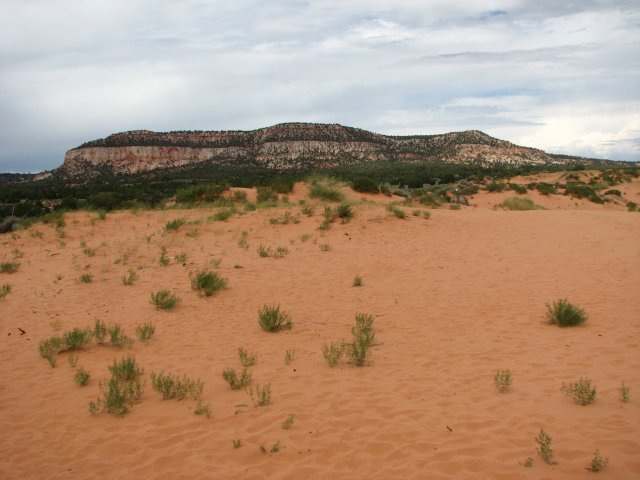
(456, 297)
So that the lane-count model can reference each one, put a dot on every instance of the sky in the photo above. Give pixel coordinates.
(561, 76)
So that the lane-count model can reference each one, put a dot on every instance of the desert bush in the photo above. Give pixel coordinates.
(613, 191)
(598, 463)
(325, 247)
(398, 212)
(364, 327)
(202, 193)
(624, 393)
(581, 391)
(49, 348)
(289, 356)
(86, 278)
(288, 422)
(495, 187)
(332, 353)
(129, 278)
(261, 396)
(207, 282)
(365, 185)
(266, 194)
(344, 211)
(117, 337)
(237, 382)
(118, 397)
(81, 377)
(244, 242)
(503, 379)
(9, 267)
(429, 199)
(89, 252)
(5, 290)
(272, 319)
(169, 386)
(126, 370)
(516, 203)
(308, 210)
(363, 336)
(145, 331)
(632, 206)
(519, 189)
(164, 260)
(284, 219)
(357, 281)
(247, 359)
(175, 224)
(325, 188)
(544, 447)
(264, 251)
(200, 408)
(280, 251)
(565, 314)
(100, 331)
(164, 299)
(329, 216)
(75, 339)
(583, 191)
(222, 215)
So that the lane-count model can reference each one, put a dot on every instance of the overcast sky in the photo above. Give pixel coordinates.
(560, 76)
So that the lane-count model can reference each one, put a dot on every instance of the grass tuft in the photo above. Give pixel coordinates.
(288, 422)
(565, 314)
(9, 267)
(81, 377)
(332, 352)
(129, 278)
(517, 203)
(170, 387)
(207, 282)
(145, 331)
(581, 391)
(624, 393)
(175, 224)
(357, 281)
(544, 447)
(5, 290)
(247, 359)
(503, 380)
(598, 463)
(272, 319)
(261, 397)
(237, 382)
(325, 188)
(164, 299)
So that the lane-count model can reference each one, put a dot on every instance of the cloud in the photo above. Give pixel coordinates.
(552, 75)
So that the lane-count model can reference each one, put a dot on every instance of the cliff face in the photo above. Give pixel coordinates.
(287, 146)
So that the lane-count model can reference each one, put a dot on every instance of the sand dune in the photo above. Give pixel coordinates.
(456, 297)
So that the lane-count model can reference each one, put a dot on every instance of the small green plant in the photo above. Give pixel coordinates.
(237, 443)
(598, 463)
(304, 237)
(308, 210)
(288, 422)
(357, 281)
(332, 352)
(49, 348)
(261, 396)
(145, 331)
(81, 377)
(164, 299)
(164, 260)
(517, 203)
(345, 212)
(129, 278)
(207, 282)
(528, 462)
(221, 215)
(75, 339)
(544, 447)
(325, 247)
(202, 409)
(363, 336)
(170, 387)
(118, 397)
(247, 359)
(398, 212)
(5, 290)
(86, 278)
(565, 314)
(280, 252)
(426, 215)
(455, 206)
(503, 380)
(237, 382)
(272, 319)
(624, 393)
(581, 391)
(117, 337)
(181, 257)
(9, 267)
(289, 356)
(100, 331)
(126, 369)
(264, 251)
(325, 188)
(265, 195)
(175, 224)
(244, 242)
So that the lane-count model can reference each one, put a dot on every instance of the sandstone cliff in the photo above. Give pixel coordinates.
(289, 146)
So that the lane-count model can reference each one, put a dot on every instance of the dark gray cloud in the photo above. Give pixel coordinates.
(553, 75)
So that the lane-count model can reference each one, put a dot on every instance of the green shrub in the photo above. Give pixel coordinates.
(285, 219)
(5, 290)
(280, 251)
(49, 348)
(9, 267)
(516, 203)
(598, 463)
(145, 331)
(164, 260)
(583, 191)
(357, 281)
(164, 299)
(332, 353)
(81, 377)
(544, 447)
(564, 314)
(288, 422)
(86, 278)
(429, 199)
(237, 382)
(89, 252)
(117, 337)
(266, 194)
(264, 251)
(202, 409)
(325, 247)
(624, 393)
(118, 397)
(519, 189)
(365, 185)
(170, 387)
(100, 331)
(503, 380)
(495, 187)
(175, 224)
(614, 192)
(581, 391)
(207, 282)
(345, 212)
(75, 339)
(247, 359)
(542, 187)
(272, 319)
(201, 193)
(308, 210)
(398, 212)
(222, 215)
(129, 278)
(262, 395)
(632, 206)
(363, 336)
(126, 370)
(325, 188)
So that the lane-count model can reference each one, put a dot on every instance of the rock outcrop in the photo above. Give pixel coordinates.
(289, 146)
